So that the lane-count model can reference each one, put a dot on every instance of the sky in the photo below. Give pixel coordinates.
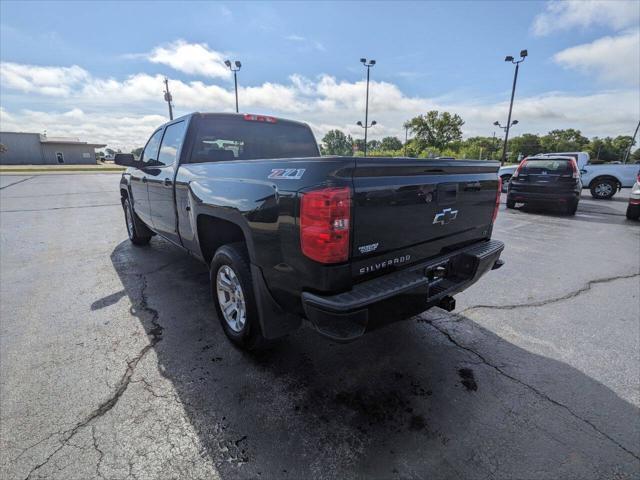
(95, 70)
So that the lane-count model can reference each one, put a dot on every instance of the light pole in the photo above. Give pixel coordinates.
(626, 154)
(509, 58)
(366, 125)
(406, 137)
(235, 70)
(506, 130)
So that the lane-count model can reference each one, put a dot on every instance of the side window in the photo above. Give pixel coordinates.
(171, 143)
(150, 153)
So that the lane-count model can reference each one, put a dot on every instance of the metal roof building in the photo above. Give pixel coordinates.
(35, 149)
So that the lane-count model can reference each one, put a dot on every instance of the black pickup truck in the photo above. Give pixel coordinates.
(347, 243)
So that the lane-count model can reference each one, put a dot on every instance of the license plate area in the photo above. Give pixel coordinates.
(436, 273)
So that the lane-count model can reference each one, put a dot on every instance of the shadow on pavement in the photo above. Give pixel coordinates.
(403, 402)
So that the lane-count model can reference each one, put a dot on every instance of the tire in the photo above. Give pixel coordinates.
(511, 203)
(505, 183)
(138, 233)
(603, 189)
(572, 208)
(230, 269)
(633, 212)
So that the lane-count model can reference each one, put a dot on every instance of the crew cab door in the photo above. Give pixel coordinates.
(160, 176)
(139, 178)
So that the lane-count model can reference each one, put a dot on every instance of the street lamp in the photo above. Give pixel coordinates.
(235, 70)
(497, 124)
(509, 58)
(366, 125)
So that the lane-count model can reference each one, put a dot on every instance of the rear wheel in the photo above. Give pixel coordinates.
(603, 189)
(572, 207)
(232, 290)
(134, 227)
(511, 203)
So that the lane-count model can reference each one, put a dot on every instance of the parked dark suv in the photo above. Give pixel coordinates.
(553, 181)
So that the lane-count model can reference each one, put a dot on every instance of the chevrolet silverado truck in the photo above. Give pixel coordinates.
(347, 243)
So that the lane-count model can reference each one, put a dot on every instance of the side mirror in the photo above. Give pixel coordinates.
(124, 159)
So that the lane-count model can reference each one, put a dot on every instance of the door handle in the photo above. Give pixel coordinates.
(167, 182)
(144, 179)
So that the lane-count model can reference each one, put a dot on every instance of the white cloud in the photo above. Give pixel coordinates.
(305, 43)
(44, 80)
(124, 112)
(191, 58)
(613, 59)
(564, 15)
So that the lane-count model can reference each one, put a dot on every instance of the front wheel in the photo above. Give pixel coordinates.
(133, 225)
(232, 290)
(603, 189)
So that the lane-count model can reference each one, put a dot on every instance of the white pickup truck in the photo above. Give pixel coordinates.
(604, 180)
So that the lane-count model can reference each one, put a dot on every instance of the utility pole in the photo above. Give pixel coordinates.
(628, 152)
(168, 98)
(509, 58)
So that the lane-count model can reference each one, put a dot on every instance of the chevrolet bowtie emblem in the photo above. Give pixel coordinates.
(446, 216)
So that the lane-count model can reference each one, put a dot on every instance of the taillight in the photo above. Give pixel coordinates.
(574, 167)
(517, 172)
(325, 218)
(495, 209)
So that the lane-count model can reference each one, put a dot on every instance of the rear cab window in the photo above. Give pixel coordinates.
(223, 138)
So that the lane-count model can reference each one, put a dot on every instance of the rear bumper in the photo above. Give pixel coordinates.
(346, 316)
(551, 197)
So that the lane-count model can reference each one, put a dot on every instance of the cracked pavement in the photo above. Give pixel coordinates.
(113, 366)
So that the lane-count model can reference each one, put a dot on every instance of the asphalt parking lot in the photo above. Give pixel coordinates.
(113, 364)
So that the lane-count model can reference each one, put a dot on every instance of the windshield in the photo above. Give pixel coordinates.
(234, 138)
(547, 166)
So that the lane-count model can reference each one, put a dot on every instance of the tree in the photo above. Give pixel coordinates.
(335, 142)
(390, 143)
(373, 145)
(110, 151)
(436, 129)
(608, 149)
(358, 144)
(137, 152)
(569, 140)
(525, 145)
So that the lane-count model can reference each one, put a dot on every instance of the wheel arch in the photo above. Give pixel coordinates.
(213, 231)
(605, 176)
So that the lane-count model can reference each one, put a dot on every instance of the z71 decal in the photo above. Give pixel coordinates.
(287, 173)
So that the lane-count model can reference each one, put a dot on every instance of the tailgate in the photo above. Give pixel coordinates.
(407, 210)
